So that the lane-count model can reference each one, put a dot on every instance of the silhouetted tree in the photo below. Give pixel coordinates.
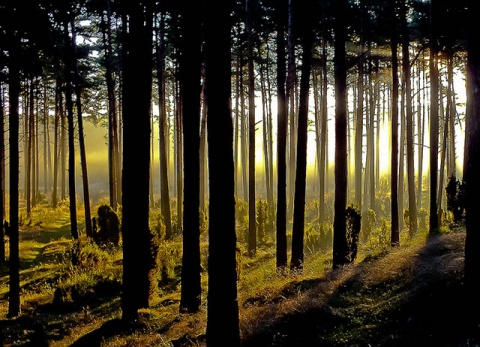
(340, 249)
(13, 120)
(162, 128)
(472, 172)
(301, 174)
(136, 158)
(252, 224)
(395, 233)
(281, 235)
(190, 67)
(433, 67)
(412, 205)
(222, 309)
(2, 162)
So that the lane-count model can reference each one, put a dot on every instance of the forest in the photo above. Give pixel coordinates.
(239, 173)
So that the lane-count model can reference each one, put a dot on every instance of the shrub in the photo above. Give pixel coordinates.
(106, 226)
(455, 198)
(353, 231)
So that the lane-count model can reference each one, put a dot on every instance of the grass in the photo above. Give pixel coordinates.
(411, 295)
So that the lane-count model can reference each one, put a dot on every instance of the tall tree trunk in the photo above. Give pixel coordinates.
(451, 118)
(412, 205)
(323, 127)
(113, 145)
(291, 81)
(298, 231)
(203, 149)
(395, 234)
(2, 169)
(30, 138)
(137, 91)
(281, 220)
(162, 111)
(252, 220)
(179, 164)
(421, 132)
(81, 136)
(190, 69)
(71, 135)
(63, 150)
(222, 309)
(340, 256)
(401, 165)
(236, 124)
(56, 144)
(359, 117)
(46, 143)
(14, 256)
(269, 120)
(371, 138)
(472, 167)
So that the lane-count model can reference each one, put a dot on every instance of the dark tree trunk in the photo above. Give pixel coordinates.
(222, 310)
(472, 242)
(359, 116)
(14, 257)
(137, 91)
(81, 137)
(281, 235)
(291, 83)
(2, 171)
(298, 230)
(164, 190)
(56, 146)
(395, 233)
(71, 135)
(113, 146)
(340, 256)
(412, 205)
(190, 75)
(324, 129)
(252, 220)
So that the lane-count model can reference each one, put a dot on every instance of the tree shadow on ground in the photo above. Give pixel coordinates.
(109, 329)
(421, 303)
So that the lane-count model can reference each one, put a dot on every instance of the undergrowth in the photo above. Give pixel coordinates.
(71, 290)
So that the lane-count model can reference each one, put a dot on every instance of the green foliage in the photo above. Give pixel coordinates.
(318, 237)
(87, 257)
(156, 223)
(422, 219)
(90, 275)
(241, 211)
(169, 259)
(369, 219)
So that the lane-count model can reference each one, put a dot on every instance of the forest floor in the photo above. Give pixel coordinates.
(410, 296)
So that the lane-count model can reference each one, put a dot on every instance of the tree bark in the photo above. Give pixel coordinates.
(81, 136)
(14, 257)
(298, 230)
(222, 309)
(190, 76)
(472, 242)
(339, 225)
(164, 190)
(136, 160)
(71, 134)
(412, 205)
(395, 234)
(252, 220)
(281, 220)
